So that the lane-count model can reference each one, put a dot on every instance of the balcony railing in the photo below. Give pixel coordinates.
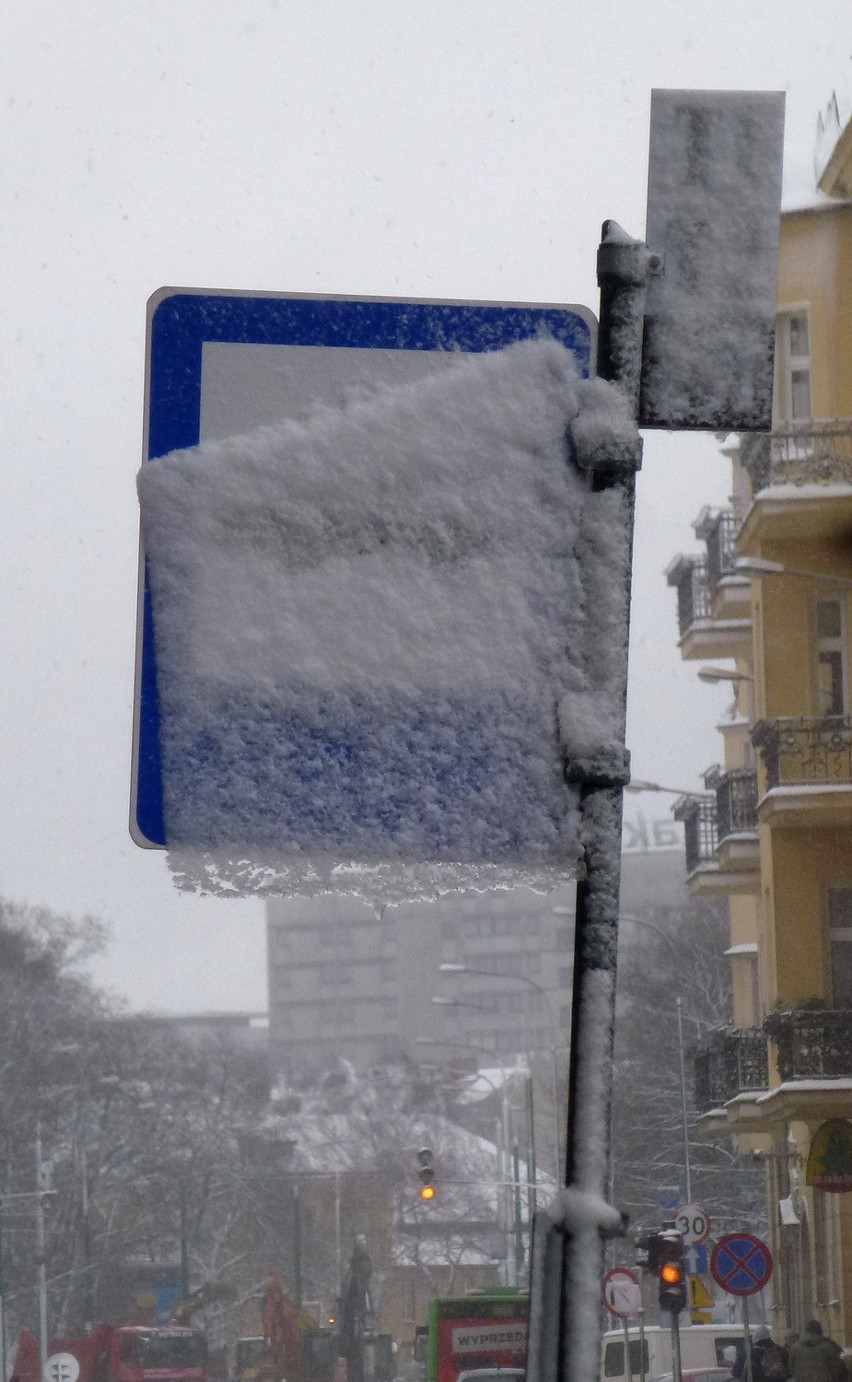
(810, 452)
(689, 578)
(720, 534)
(700, 838)
(732, 1062)
(806, 750)
(812, 1044)
(736, 801)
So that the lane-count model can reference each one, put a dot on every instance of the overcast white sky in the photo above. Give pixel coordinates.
(458, 150)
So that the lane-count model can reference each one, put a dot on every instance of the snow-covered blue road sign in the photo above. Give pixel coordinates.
(224, 364)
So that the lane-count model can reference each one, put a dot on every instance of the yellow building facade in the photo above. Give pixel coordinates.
(770, 595)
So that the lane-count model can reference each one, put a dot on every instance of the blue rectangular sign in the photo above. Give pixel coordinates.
(215, 368)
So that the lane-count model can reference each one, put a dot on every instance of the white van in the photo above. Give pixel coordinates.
(701, 1346)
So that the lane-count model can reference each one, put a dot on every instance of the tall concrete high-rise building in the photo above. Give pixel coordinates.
(344, 981)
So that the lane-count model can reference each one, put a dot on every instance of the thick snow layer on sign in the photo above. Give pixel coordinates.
(370, 629)
(714, 196)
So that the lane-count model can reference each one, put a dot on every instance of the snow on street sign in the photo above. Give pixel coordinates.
(714, 200)
(361, 576)
(622, 1292)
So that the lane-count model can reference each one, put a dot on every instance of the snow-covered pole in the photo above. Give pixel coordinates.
(565, 1326)
(623, 268)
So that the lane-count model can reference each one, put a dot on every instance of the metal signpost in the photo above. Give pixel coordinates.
(623, 1298)
(664, 305)
(742, 1265)
(693, 1224)
(662, 308)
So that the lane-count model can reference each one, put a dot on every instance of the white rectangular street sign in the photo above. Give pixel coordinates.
(714, 203)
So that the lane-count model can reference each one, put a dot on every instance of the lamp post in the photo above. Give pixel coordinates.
(714, 674)
(763, 566)
(638, 784)
(450, 968)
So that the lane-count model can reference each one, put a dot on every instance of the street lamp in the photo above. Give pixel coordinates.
(639, 784)
(713, 674)
(764, 566)
(450, 968)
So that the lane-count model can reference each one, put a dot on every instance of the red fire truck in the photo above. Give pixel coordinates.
(117, 1353)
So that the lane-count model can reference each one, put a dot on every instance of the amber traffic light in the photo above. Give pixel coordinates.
(427, 1174)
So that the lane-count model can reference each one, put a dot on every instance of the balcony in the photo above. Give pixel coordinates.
(703, 634)
(688, 575)
(700, 839)
(732, 1062)
(720, 833)
(809, 452)
(808, 762)
(812, 1043)
(730, 593)
(736, 817)
(801, 477)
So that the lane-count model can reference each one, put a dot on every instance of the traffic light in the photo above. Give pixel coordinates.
(427, 1173)
(648, 1250)
(671, 1272)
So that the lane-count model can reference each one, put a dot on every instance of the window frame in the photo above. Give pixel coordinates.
(787, 364)
(836, 935)
(830, 646)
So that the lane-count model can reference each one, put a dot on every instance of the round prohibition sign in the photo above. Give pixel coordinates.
(741, 1264)
(622, 1293)
(693, 1223)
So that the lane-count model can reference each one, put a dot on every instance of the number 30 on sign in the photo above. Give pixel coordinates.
(694, 1223)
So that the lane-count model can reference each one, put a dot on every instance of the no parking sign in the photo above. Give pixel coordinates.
(741, 1264)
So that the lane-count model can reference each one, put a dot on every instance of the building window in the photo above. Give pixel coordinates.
(840, 947)
(792, 368)
(831, 658)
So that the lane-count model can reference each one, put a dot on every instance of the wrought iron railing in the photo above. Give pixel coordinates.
(700, 838)
(809, 452)
(693, 593)
(806, 750)
(732, 1062)
(812, 1043)
(721, 536)
(736, 800)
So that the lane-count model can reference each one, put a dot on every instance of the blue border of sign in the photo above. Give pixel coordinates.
(181, 321)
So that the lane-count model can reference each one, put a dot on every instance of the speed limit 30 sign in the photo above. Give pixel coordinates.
(693, 1223)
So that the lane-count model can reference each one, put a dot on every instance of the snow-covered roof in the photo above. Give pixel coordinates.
(805, 1087)
(484, 1082)
(747, 948)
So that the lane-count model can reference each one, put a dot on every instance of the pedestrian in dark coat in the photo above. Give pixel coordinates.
(816, 1358)
(767, 1359)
